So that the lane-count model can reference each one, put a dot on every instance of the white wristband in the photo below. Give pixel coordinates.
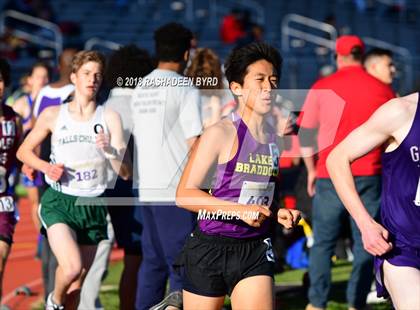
(111, 155)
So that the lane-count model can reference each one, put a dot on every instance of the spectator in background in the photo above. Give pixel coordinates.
(336, 105)
(378, 63)
(254, 33)
(38, 77)
(21, 91)
(232, 28)
(166, 124)
(36, 80)
(9, 44)
(193, 48)
(129, 62)
(57, 92)
(205, 66)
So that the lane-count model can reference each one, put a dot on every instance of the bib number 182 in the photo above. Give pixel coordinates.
(86, 175)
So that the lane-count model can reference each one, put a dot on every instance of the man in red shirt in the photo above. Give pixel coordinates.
(335, 106)
(231, 28)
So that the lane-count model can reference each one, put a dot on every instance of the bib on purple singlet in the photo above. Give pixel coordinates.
(248, 178)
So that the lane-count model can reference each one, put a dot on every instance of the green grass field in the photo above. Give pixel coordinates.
(109, 289)
(287, 299)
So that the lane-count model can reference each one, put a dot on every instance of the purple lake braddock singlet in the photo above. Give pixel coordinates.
(400, 204)
(248, 178)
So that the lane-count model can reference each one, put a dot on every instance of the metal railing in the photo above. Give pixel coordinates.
(405, 58)
(89, 44)
(287, 31)
(404, 55)
(56, 43)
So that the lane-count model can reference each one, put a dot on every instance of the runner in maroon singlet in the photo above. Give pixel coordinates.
(10, 132)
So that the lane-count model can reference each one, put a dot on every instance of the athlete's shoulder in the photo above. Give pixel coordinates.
(21, 104)
(110, 114)
(411, 99)
(404, 104)
(50, 112)
(396, 112)
(221, 130)
(407, 104)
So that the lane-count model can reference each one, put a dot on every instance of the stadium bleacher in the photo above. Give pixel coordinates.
(136, 21)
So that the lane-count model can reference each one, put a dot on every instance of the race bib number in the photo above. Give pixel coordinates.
(257, 193)
(86, 175)
(7, 204)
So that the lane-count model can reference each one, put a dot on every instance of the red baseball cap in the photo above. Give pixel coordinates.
(344, 44)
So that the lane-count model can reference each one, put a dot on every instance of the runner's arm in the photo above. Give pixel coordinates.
(119, 162)
(27, 151)
(205, 154)
(376, 131)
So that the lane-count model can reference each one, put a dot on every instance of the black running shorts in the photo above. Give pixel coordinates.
(213, 265)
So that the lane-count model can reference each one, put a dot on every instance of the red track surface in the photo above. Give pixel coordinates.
(22, 267)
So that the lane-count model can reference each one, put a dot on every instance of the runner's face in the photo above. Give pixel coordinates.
(258, 86)
(88, 79)
(38, 79)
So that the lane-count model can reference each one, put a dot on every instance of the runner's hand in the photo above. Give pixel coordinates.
(288, 218)
(102, 141)
(29, 172)
(375, 238)
(55, 172)
(255, 215)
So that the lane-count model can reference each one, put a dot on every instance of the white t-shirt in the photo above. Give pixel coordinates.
(163, 119)
(49, 96)
(119, 100)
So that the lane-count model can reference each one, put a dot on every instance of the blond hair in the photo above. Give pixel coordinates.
(83, 57)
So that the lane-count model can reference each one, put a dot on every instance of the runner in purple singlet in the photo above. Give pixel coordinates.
(230, 250)
(396, 241)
